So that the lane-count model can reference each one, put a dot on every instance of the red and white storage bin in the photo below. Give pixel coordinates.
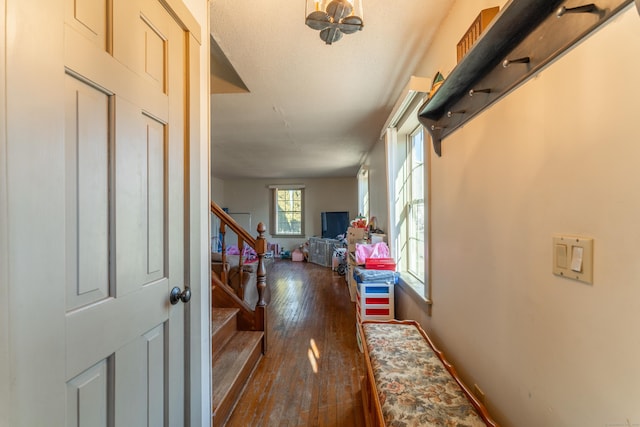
(380, 264)
(374, 301)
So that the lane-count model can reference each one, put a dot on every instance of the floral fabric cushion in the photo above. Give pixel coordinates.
(414, 387)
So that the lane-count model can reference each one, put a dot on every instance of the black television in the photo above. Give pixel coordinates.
(334, 223)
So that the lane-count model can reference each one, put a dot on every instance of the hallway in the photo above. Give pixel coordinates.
(311, 373)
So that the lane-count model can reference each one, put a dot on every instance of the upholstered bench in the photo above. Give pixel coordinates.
(410, 383)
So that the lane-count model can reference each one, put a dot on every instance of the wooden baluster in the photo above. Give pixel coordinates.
(240, 291)
(224, 275)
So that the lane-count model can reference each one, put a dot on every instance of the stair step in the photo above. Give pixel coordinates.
(231, 371)
(223, 327)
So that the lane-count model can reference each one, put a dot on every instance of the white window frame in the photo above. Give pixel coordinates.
(275, 232)
(397, 142)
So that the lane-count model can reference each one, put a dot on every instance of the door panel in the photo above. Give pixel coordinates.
(154, 53)
(147, 23)
(139, 387)
(139, 198)
(91, 18)
(87, 193)
(156, 368)
(155, 136)
(87, 397)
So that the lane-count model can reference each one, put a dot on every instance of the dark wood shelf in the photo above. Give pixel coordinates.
(528, 30)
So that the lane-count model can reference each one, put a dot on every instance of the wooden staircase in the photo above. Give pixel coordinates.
(235, 356)
(238, 332)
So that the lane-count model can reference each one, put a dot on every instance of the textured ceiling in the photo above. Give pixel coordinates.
(312, 110)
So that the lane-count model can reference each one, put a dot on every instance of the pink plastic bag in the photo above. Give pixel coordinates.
(376, 250)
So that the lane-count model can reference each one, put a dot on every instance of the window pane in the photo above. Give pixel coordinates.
(417, 180)
(289, 211)
(416, 220)
(417, 149)
(416, 240)
(417, 165)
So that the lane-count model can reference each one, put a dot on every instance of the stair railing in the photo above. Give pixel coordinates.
(259, 244)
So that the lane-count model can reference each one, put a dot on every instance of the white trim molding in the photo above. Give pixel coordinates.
(286, 186)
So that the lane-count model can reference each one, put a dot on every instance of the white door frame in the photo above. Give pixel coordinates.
(199, 310)
(4, 275)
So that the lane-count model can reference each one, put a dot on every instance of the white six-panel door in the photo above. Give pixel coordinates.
(98, 196)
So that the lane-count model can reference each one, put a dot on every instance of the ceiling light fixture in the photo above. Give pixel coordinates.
(334, 18)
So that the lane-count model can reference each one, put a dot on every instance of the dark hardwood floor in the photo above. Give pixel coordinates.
(311, 373)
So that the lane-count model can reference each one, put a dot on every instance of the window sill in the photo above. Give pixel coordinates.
(415, 290)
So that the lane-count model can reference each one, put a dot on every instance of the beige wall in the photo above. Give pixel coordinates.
(217, 191)
(321, 195)
(558, 155)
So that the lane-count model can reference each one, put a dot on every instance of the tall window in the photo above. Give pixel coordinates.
(407, 158)
(288, 211)
(363, 192)
(415, 205)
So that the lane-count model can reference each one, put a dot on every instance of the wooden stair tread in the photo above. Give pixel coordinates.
(220, 316)
(231, 369)
(232, 361)
(224, 325)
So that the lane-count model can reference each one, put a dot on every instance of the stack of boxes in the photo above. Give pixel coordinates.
(371, 286)
(374, 289)
(354, 236)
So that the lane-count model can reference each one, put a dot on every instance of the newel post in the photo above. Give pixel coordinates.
(261, 283)
(261, 248)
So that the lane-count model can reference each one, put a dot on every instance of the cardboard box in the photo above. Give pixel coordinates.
(355, 235)
(378, 238)
(478, 26)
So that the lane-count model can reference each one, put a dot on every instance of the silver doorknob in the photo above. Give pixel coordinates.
(177, 295)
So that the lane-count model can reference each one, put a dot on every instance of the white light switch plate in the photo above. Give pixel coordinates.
(573, 257)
